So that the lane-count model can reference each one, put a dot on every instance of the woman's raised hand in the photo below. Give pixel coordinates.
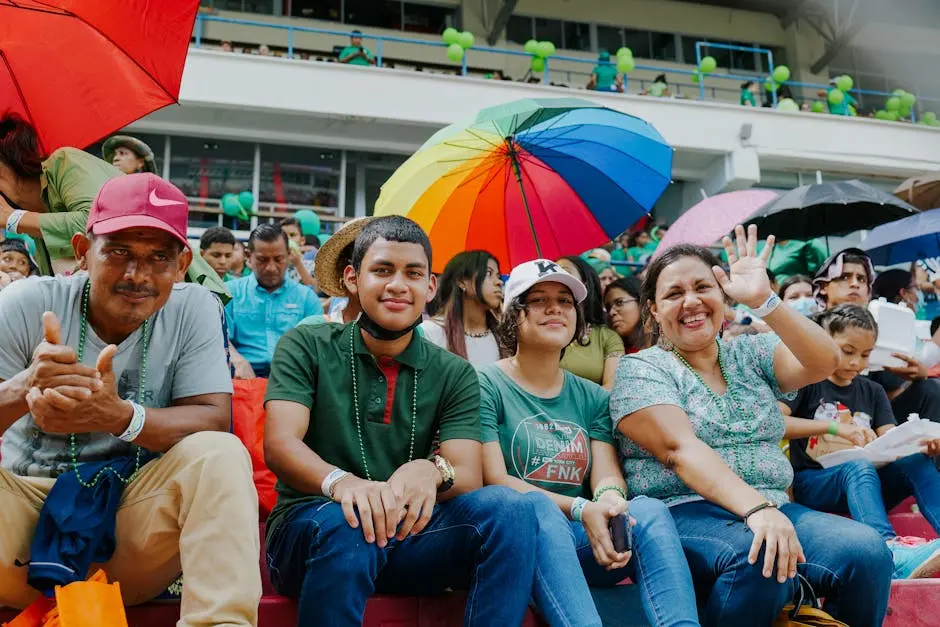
(748, 282)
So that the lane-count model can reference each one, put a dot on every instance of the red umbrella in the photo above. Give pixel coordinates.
(81, 69)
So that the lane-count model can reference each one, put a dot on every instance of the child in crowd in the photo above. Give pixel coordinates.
(857, 487)
(217, 247)
(15, 262)
(548, 433)
(797, 291)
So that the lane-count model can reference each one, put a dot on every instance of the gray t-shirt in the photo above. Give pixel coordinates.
(186, 358)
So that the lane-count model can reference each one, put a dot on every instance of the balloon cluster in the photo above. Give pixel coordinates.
(457, 43)
(625, 62)
(899, 105)
(781, 74)
(540, 50)
(240, 205)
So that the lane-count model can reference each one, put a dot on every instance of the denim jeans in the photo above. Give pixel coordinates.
(846, 562)
(483, 541)
(658, 567)
(859, 489)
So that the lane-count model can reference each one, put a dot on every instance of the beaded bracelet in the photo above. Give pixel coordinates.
(608, 488)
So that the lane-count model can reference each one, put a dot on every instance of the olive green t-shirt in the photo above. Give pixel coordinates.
(312, 366)
(588, 361)
(545, 441)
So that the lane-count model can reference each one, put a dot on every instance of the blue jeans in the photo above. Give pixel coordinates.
(859, 489)
(483, 541)
(846, 562)
(658, 567)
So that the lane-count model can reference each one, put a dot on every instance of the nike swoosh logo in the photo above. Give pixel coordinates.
(156, 201)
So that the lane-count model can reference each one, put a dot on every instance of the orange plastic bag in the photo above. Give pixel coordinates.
(248, 418)
(92, 603)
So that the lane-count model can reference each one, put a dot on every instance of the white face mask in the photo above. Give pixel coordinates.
(806, 305)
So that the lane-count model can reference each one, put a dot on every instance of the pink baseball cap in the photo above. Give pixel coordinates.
(139, 201)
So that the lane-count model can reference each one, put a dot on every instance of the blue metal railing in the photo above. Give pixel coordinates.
(203, 18)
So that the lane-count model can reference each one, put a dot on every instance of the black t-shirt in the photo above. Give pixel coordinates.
(821, 401)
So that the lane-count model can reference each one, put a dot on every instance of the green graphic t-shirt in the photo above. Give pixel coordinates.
(545, 441)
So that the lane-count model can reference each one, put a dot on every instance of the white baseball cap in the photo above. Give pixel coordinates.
(530, 273)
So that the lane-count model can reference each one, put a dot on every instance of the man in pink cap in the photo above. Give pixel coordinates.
(121, 362)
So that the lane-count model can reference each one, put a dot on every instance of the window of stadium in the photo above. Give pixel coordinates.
(416, 17)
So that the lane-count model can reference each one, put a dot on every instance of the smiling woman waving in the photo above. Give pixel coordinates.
(702, 431)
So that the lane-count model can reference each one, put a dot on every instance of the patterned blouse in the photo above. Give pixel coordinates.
(747, 437)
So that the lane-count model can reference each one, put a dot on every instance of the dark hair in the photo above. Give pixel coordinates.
(19, 147)
(934, 325)
(844, 317)
(267, 233)
(638, 338)
(633, 237)
(890, 284)
(18, 246)
(392, 229)
(466, 266)
(661, 79)
(290, 222)
(355, 33)
(593, 305)
(789, 282)
(216, 235)
(656, 267)
(746, 84)
(508, 329)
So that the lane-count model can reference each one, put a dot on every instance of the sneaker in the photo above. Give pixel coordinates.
(915, 558)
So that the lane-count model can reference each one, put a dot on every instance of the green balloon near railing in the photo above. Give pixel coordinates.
(455, 53)
(898, 93)
(309, 222)
(818, 106)
(908, 100)
(708, 65)
(450, 35)
(788, 104)
(845, 82)
(930, 116)
(893, 103)
(696, 78)
(625, 52)
(781, 74)
(769, 85)
(538, 64)
(546, 49)
(836, 97)
(323, 237)
(531, 46)
(246, 201)
(625, 64)
(230, 206)
(894, 116)
(466, 40)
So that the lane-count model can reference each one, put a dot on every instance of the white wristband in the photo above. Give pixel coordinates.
(136, 425)
(330, 481)
(13, 220)
(577, 508)
(768, 307)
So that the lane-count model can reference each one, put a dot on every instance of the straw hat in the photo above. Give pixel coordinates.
(331, 262)
(133, 144)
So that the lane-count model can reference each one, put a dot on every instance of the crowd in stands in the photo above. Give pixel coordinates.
(583, 420)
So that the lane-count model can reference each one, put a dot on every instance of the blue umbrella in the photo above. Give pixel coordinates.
(906, 240)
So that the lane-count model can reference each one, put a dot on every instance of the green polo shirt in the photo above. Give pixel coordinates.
(312, 366)
(348, 51)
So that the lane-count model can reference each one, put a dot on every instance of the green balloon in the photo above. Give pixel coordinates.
(230, 206)
(696, 78)
(769, 85)
(898, 93)
(781, 74)
(531, 46)
(788, 104)
(546, 49)
(323, 237)
(894, 116)
(845, 82)
(625, 52)
(818, 106)
(905, 111)
(625, 64)
(893, 103)
(466, 40)
(836, 97)
(450, 35)
(246, 200)
(708, 64)
(455, 53)
(881, 115)
(309, 222)
(930, 116)
(538, 64)
(908, 100)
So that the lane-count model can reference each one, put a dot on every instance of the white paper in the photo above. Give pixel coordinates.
(899, 442)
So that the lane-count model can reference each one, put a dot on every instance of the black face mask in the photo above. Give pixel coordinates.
(382, 334)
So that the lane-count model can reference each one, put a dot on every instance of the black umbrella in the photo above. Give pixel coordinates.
(827, 209)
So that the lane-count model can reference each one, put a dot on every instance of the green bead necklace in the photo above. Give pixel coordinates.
(355, 392)
(73, 449)
(722, 407)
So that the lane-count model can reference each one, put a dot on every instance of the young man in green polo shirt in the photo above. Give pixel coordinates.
(363, 505)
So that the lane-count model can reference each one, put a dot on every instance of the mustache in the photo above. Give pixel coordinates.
(137, 290)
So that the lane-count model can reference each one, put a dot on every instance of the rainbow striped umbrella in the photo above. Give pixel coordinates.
(529, 179)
